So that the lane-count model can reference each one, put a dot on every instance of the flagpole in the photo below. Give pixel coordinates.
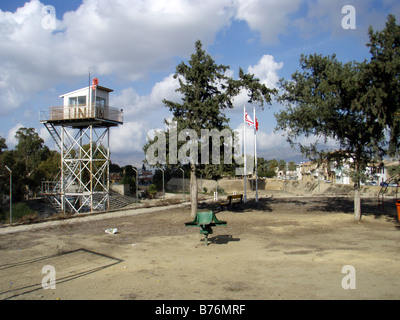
(89, 96)
(255, 150)
(95, 101)
(244, 152)
(89, 90)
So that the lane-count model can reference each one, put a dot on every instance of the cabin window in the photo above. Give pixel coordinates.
(77, 101)
(100, 102)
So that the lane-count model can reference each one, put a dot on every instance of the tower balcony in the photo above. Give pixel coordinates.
(80, 115)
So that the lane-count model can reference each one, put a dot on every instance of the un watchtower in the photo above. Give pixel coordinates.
(81, 129)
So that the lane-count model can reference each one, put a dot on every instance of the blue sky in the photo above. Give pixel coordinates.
(134, 46)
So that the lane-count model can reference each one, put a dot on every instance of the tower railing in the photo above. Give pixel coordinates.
(74, 112)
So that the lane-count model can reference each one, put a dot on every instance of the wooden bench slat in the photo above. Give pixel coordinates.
(232, 200)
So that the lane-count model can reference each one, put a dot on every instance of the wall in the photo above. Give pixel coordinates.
(229, 186)
(120, 188)
(306, 188)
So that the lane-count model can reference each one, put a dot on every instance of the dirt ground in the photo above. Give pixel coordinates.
(278, 248)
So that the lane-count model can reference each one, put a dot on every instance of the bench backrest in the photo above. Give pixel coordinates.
(235, 196)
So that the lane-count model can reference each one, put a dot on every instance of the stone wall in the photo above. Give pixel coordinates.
(122, 189)
(306, 188)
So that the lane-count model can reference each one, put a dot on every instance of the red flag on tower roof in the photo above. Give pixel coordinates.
(95, 82)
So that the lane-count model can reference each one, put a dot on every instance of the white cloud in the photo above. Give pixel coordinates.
(121, 38)
(310, 18)
(265, 141)
(274, 145)
(325, 16)
(269, 17)
(135, 105)
(266, 70)
(129, 39)
(129, 137)
(141, 114)
(11, 140)
(127, 100)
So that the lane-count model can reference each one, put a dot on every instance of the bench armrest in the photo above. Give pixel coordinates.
(219, 222)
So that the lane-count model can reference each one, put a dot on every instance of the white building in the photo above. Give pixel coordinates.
(79, 104)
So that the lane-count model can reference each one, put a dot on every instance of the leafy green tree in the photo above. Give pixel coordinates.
(292, 166)
(129, 177)
(384, 74)
(324, 100)
(282, 165)
(129, 171)
(2, 168)
(268, 167)
(158, 178)
(152, 190)
(394, 170)
(131, 181)
(2, 144)
(29, 152)
(49, 168)
(207, 91)
(30, 148)
(7, 159)
(115, 168)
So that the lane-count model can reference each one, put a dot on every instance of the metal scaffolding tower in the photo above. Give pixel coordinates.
(82, 132)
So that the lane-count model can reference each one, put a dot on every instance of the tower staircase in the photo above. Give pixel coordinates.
(53, 133)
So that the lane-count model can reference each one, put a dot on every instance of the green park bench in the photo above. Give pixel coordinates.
(205, 220)
(235, 199)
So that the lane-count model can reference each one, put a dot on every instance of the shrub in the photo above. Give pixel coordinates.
(152, 190)
(21, 213)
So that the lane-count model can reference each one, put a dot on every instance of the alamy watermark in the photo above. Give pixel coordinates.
(349, 20)
(349, 280)
(49, 280)
(49, 21)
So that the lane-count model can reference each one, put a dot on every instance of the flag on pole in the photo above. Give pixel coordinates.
(248, 120)
(255, 151)
(254, 125)
(95, 83)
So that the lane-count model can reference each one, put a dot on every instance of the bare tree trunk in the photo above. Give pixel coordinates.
(357, 202)
(193, 190)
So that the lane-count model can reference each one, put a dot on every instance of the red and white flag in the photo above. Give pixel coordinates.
(248, 120)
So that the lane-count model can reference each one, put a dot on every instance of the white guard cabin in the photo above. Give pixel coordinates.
(80, 105)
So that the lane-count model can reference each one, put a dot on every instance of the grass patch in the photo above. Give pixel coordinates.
(20, 213)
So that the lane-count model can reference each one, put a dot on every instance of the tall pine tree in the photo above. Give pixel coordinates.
(384, 75)
(207, 91)
(324, 100)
